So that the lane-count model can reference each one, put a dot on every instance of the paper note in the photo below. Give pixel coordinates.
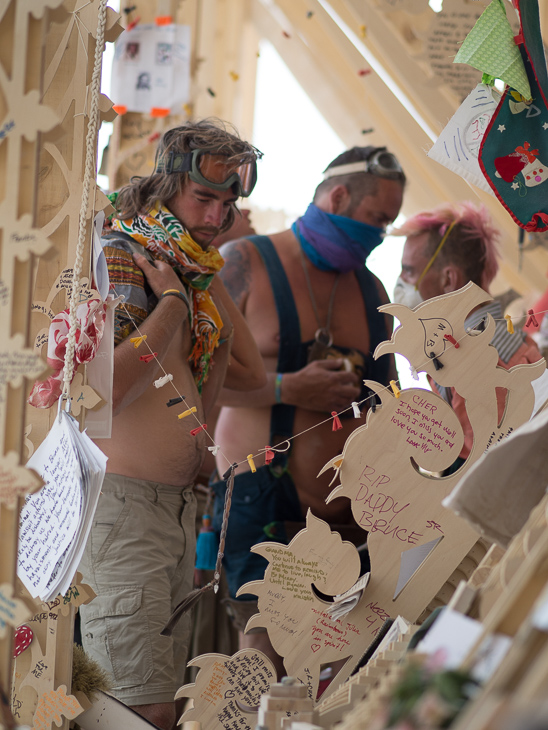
(55, 522)
(50, 518)
(151, 68)
(457, 147)
(411, 560)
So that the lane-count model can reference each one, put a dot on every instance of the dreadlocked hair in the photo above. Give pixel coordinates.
(210, 135)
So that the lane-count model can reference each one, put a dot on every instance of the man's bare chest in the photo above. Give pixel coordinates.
(330, 302)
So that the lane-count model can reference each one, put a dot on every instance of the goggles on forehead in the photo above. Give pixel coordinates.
(381, 163)
(211, 170)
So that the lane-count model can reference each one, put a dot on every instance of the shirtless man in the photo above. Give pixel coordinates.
(317, 342)
(140, 555)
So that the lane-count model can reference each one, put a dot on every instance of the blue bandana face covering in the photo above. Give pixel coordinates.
(334, 242)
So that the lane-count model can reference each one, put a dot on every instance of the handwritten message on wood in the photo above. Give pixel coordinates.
(228, 689)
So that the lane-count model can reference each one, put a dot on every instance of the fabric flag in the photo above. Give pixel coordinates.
(490, 47)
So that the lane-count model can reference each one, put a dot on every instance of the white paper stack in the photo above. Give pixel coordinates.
(55, 522)
(345, 602)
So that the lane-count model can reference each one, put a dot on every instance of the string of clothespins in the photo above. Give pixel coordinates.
(269, 452)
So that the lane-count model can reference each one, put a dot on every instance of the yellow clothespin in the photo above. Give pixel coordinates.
(251, 463)
(137, 340)
(395, 388)
(363, 31)
(509, 324)
(337, 464)
(186, 413)
(234, 76)
(187, 109)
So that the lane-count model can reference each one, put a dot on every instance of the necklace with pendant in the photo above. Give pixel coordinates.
(323, 338)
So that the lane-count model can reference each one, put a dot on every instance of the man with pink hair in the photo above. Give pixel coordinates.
(445, 249)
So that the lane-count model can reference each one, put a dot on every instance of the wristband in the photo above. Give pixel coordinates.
(278, 388)
(176, 293)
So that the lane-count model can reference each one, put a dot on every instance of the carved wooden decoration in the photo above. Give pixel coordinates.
(38, 688)
(388, 469)
(46, 56)
(228, 690)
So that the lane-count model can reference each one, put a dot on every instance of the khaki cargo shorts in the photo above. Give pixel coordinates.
(139, 559)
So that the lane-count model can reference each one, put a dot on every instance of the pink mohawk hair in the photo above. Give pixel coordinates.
(474, 222)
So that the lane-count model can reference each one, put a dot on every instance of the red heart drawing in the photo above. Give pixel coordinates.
(315, 647)
(22, 638)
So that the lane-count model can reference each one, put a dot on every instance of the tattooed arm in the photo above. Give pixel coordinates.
(245, 367)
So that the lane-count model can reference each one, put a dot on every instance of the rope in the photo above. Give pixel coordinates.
(89, 179)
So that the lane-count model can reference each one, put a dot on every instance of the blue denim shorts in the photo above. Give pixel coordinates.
(261, 503)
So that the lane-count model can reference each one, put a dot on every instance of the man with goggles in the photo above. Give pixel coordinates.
(312, 306)
(140, 556)
(445, 248)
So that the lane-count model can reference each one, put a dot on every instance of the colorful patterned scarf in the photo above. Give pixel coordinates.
(162, 233)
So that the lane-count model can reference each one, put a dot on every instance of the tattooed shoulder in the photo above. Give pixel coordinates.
(236, 273)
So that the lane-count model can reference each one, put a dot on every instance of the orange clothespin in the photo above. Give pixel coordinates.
(120, 109)
(531, 319)
(337, 464)
(509, 324)
(452, 340)
(337, 425)
(268, 455)
(186, 413)
(137, 340)
(196, 431)
(149, 357)
(395, 388)
(251, 463)
(164, 20)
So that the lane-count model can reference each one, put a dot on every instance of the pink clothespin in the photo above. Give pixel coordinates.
(268, 455)
(337, 425)
(531, 319)
(452, 340)
(196, 431)
(149, 357)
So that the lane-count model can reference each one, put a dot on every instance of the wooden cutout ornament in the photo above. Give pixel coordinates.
(16, 481)
(12, 610)
(83, 396)
(472, 369)
(414, 543)
(227, 690)
(53, 706)
(293, 598)
(78, 594)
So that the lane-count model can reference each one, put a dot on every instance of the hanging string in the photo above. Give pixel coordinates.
(89, 180)
(286, 444)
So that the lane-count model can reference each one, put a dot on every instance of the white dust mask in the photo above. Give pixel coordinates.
(405, 293)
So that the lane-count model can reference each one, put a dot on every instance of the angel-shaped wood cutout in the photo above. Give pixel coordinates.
(228, 690)
(294, 597)
(471, 368)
